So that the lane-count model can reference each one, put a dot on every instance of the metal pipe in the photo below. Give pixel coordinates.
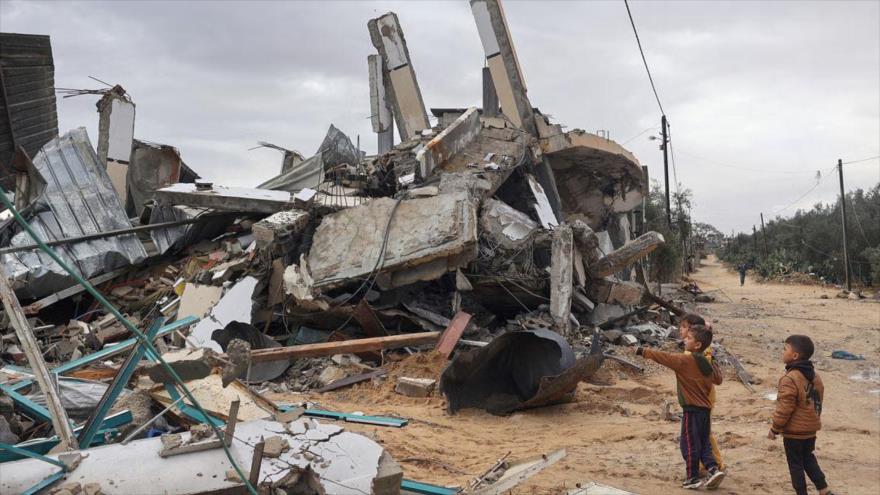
(109, 233)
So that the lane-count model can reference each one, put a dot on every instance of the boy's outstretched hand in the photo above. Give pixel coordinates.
(771, 435)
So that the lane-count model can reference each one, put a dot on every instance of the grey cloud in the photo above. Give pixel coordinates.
(772, 86)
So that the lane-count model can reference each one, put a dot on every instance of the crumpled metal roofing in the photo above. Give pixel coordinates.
(334, 150)
(78, 199)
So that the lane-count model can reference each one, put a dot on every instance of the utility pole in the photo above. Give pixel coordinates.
(755, 238)
(663, 146)
(843, 217)
(764, 232)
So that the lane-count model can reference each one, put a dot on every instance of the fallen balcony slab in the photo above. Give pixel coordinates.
(239, 199)
(342, 462)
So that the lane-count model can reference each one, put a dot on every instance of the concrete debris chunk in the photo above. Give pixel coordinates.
(415, 387)
(409, 240)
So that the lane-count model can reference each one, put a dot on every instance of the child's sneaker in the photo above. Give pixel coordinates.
(716, 476)
(692, 483)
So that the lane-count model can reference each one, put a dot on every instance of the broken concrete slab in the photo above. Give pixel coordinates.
(235, 305)
(197, 300)
(435, 234)
(506, 225)
(542, 205)
(453, 139)
(344, 463)
(279, 226)
(237, 199)
(610, 290)
(520, 471)
(596, 177)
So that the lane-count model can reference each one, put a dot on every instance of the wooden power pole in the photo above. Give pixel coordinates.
(665, 144)
(764, 232)
(843, 219)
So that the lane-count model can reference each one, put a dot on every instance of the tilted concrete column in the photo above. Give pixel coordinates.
(380, 109)
(490, 96)
(115, 135)
(510, 86)
(501, 57)
(403, 88)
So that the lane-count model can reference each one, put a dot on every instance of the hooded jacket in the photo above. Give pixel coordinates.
(695, 376)
(799, 402)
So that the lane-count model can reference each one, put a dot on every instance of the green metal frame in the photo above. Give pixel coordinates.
(426, 488)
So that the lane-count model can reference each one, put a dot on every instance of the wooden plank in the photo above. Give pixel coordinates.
(344, 347)
(453, 332)
(351, 380)
(18, 320)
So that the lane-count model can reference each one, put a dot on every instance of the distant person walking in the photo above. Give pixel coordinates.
(741, 268)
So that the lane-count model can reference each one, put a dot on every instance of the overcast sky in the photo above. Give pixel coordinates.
(760, 95)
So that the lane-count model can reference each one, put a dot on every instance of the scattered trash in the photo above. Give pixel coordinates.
(846, 355)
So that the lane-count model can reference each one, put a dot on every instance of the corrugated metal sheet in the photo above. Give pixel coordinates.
(78, 200)
(336, 149)
(28, 75)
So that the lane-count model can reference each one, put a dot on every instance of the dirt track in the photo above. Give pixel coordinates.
(614, 432)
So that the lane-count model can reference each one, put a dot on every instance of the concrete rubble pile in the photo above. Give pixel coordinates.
(494, 236)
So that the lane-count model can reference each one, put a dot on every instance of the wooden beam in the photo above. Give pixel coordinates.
(631, 252)
(452, 334)
(17, 318)
(344, 347)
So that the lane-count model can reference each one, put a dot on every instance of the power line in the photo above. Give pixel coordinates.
(861, 160)
(639, 42)
(715, 162)
(804, 195)
(859, 222)
(637, 135)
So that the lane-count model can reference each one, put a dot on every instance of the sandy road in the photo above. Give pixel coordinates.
(614, 431)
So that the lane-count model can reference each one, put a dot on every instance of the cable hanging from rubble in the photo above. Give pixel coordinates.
(142, 338)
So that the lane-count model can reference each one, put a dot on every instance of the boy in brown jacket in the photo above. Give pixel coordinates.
(798, 413)
(684, 327)
(695, 376)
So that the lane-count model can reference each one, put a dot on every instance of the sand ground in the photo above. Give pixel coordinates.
(614, 431)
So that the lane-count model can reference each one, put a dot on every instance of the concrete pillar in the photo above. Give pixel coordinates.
(380, 109)
(402, 88)
(490, 97)
(115, 135)
(501, 58)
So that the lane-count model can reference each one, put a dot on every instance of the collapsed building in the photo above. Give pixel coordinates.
(496, 237)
